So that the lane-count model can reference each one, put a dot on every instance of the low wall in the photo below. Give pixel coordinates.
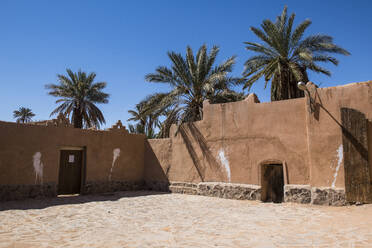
(30, 159)
(304, 194)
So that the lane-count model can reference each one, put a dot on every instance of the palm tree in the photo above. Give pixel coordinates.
(79, 93)
(171, 116)
(23, 115)
(146, 122)
(192, 80)
(285, 56)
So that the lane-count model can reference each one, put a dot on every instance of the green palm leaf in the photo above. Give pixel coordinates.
(285, 56)
(79, 95)
(23, 115)
(193, 79)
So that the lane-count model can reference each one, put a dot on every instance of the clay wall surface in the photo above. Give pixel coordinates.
(158, 153)
(19, 143)
(234, 139)
(325, 132)
(229, 146)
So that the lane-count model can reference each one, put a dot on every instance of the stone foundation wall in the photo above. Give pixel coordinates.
(304, 194)
(314, 195)
(297, 193)
(157, 186)
(292, 193)
(19, 192)
(215, 189)
(94, 187)
(230, 191)
(328, 196)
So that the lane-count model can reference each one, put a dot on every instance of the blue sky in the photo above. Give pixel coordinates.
(124, 40)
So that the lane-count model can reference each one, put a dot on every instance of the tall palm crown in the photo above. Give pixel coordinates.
(284, 56)
(192, 80)
(78, 95)
(23, 115)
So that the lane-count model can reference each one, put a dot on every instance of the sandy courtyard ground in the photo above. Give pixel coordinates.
(144, 219)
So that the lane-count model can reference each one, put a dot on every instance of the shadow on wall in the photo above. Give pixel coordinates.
(345, 130)
(354, 127)
(207, 153)
(190, 149)
(79, 199)
(156, 177)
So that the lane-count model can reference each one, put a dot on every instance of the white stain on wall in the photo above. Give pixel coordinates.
(116, 154)
(340, 157)
(225, 163)
(38, 167)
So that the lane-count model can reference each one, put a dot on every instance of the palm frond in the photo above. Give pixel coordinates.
(78, 94)
(284, 55)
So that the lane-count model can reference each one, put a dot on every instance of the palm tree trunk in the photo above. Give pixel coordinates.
(77, 118)
(284, 86)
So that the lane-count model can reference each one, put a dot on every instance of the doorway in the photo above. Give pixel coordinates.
(70, 172)
(272, 183)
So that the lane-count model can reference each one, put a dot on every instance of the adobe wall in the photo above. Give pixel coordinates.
(234, 140)
(158, 153)
(19, 143)
(325, 133)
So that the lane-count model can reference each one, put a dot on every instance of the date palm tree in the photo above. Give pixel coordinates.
(23, 115)
(192, 79)
(285, 56)
(146, 122)
(78, 95)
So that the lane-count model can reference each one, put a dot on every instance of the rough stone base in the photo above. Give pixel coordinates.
(304, 194)
(328, 196)
(19, 192)
(223, 190)
(184, 188)
(292, 193)
(230, 190)
(93, 187)
(157, 186)
(297, 193)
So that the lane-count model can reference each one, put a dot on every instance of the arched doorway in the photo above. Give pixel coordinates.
(272, 183)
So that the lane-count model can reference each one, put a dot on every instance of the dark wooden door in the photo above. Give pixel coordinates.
(355, 147)
(70, 172)
(273, 183)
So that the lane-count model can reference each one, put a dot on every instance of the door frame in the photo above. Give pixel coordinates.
(271, 162)
(83, 162)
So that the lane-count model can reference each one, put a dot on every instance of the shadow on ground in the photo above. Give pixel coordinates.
(76, 199)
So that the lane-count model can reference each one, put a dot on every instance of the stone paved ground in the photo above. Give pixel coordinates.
(140, 219)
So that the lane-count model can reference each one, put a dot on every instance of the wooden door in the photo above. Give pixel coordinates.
(355, 147)
(70, 172)
(272, 183)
